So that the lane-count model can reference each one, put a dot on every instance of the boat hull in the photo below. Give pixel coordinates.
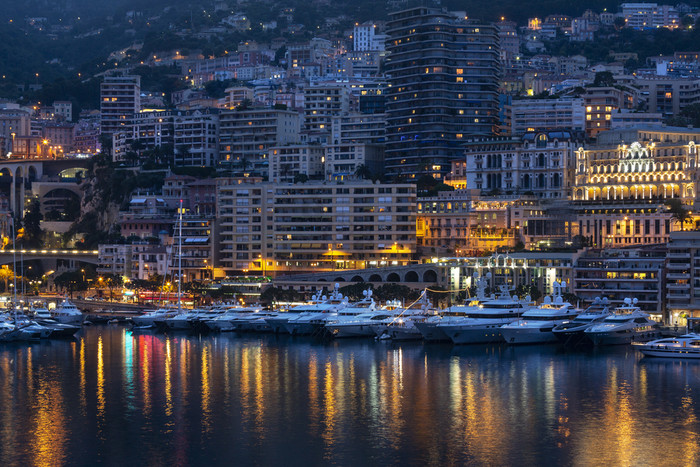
(527, 335)
(432, 333)
(350, 330)
(623, 337)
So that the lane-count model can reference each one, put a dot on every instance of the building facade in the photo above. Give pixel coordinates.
(443, 73)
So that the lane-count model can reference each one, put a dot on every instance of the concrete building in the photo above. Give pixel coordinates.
(273, 228)
(322, 102)
(120, 99)
(246, 136)
(623, 183)
(682, 292)
(288, 162)
(13, 123)
(650, 15)
(601, 103)
(443, 88)
(359, 128)
(196, 138)
(619, 273)
(668, 95)
(365, 38)
(344, 160)
(527, 115)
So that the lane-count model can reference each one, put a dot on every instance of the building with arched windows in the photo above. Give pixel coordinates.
(536, 163)
(624, 183)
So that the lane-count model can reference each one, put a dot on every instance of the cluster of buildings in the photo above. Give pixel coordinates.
(321, 156)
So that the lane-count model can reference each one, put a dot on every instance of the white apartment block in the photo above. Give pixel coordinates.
(196, 139)
(274, 228)
(322, 102)
(359, 128)
(365, 38)
(120, 99)
(650, 15)
(246, 136)
(287, 162)
(343, 160)
(526, 115)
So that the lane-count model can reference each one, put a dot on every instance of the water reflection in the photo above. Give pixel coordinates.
(118, 397)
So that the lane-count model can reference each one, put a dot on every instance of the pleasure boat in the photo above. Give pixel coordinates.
(482, 321)
(431, 330)
(535, 326)
(350, 321)
(149, 318)
(182, 321)
(628, 323)
(278, 322)
(402, 327)
(572, 332)
(67, 313)
(230, 314)
(313, 320)
(686, 346)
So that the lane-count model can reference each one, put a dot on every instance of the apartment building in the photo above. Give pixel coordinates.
(443, 72)
(600, 104)
(322, 102)
(668, 95)
(247, 134)
(682, 292)
(619, 273)
(120, 99)
(286, 163)
(527, 115)
(274, 228)
(344, 160)
(359, 128)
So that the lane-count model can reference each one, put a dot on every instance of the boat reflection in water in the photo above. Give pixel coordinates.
(120, 398)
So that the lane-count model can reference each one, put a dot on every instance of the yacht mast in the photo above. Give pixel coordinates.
(179, 262)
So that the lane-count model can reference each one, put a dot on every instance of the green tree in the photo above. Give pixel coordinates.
(33, 235)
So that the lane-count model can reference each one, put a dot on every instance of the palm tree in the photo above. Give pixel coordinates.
(363, 172)
(679, 213)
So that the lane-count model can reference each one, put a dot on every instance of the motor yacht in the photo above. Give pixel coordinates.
(149, 318)
(402, 326)
(313, 320)
(350, 321)
(572, 332)
(686, 346)
(67, 313)
(431, 330)
(536, 324)
(277, 323)
(628, 323)
(482, 321)
(182, 321)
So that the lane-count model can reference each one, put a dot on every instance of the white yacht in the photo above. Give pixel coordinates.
(686, 346)
(572, 332)
(313, 320)
(182, 321)
(482, 321)
(230, 314)
(431, 329)
(535, 326)
(67, 313)
(350, 321)
(628, 323)
(149, 318)
(403, 325)
(279, 320)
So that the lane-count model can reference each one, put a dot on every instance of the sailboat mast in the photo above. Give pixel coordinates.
(179, 262)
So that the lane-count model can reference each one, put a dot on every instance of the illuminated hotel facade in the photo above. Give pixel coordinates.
(624, 182)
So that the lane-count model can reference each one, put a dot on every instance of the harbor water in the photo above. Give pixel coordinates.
(118, 398)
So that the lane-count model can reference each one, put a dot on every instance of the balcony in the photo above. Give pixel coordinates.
(677, 275)
(677, 296)
(678, 255)
(676, 287)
